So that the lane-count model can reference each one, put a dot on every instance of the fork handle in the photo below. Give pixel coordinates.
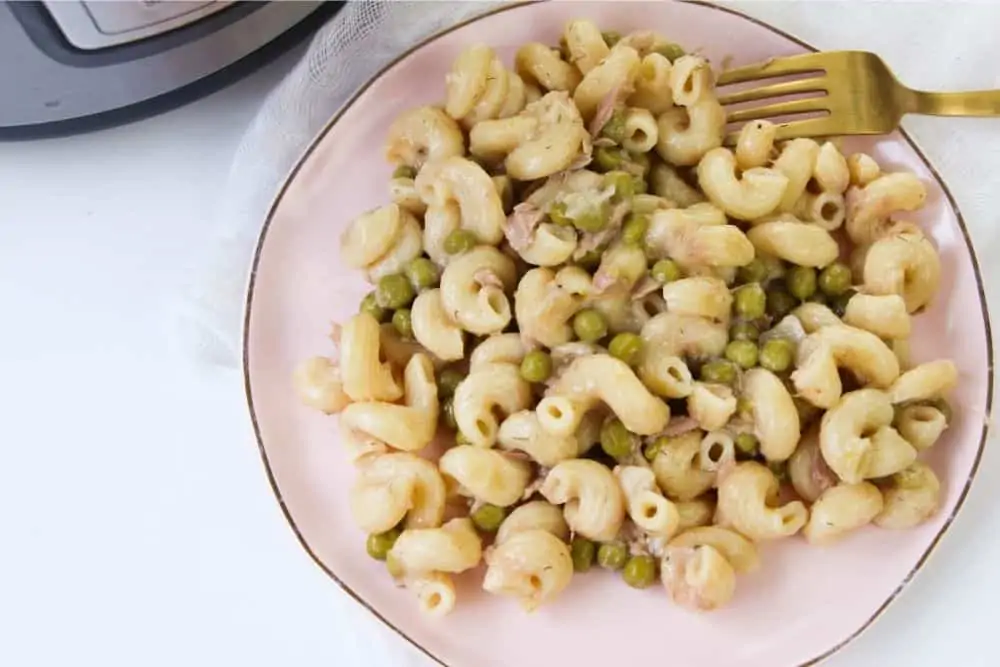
(972, 103)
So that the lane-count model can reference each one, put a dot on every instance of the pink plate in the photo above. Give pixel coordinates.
(801, 606)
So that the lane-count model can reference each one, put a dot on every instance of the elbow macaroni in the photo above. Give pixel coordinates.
(647, 507)
(594, 505)
(318, 383)
(364, 376)
(775, 419)
(485, 474)
(686, 134)
(470, 294)
(755, 194)
(391, 487)
(601, 378)
(486, 390)
(793, 241)
(434, 329)
(711, 405)
(912, 497)
(381, 241)
(903, 262)
(523, 431)
(927, 381)
(534, 515)
(453, 548)
(408, 427)
(676, 467)
(422, 135)
(698, 236)
(743, 496)
(840, 510)
(532, 566)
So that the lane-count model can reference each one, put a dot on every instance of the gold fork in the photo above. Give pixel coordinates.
(862, 96)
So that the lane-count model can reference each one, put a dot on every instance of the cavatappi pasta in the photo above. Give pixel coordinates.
(598, 337)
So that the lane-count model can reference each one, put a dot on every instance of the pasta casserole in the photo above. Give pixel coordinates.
(598, 337)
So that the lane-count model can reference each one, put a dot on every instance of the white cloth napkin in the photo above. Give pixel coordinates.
(932, 45)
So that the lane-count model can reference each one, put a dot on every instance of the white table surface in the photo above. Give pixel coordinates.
(138, 527)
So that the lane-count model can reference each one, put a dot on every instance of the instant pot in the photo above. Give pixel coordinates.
(74, 65)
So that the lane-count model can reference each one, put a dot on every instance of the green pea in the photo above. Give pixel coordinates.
(639, 185)
(622, 182)
(744, 331)
(670, 51)
(754, 272)
(838, 304)
(652, 450)
(583, 552)
(640, 571)
(801, 282)
(942, 406)
(666, 271)
(835, 279)
(379, 545)
(625, 346)
(614, 129)
(403, 321)
(448, 414)
(779, 303)
(404, 171)
(369, 305)
(776, 355)
(590, 260)
(750, 301)
(488, 517)
(634, 229)
(592, 220)
(394, 291)
(536, 366)
(611, 37)
(608, 158)
(448, 382)
(743, 353)
(718, 371)
(747, 443)
(612, 555)
(459, 241)
(589, 325)
(616, 441)
(780, 470)
(423, 273)
(557, 214)
(744, 408)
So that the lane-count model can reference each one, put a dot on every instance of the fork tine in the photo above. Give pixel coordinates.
(817, 84)
(775, 67)
(811, 127)
(777, 109)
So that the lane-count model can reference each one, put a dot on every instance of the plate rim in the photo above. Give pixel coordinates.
(251, 282)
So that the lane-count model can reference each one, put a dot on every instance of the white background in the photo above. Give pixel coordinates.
(137, 525)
